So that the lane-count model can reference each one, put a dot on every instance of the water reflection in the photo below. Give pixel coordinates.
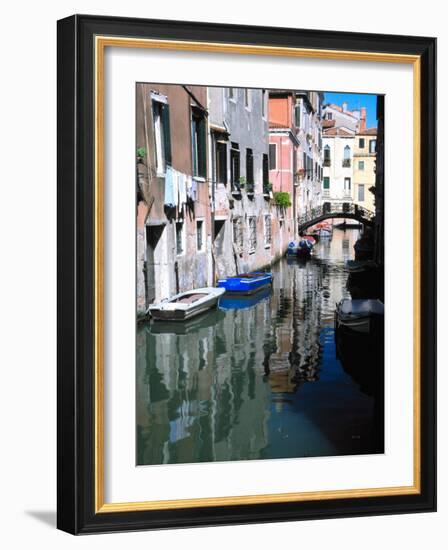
(258, 378)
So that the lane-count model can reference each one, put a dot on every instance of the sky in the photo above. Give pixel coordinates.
(355, 101)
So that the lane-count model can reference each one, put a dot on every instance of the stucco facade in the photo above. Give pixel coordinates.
(245, 217)
(170, 256)
(338, 165)
(364, 167)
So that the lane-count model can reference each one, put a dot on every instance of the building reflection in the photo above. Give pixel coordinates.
(207, 390)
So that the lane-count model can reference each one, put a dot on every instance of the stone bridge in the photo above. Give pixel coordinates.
(329, 210)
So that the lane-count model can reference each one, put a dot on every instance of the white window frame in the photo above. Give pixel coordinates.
(202, 221)
(159, 139)
(183, 240)
(267, 244)
(252, 249)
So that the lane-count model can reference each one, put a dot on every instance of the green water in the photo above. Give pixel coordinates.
(258, 378)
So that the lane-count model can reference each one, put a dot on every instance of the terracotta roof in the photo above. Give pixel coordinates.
(328, 123)
(338, 132)
(368, 132)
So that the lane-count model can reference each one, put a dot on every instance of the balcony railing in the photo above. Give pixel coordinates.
(327, 162)
(346, 163)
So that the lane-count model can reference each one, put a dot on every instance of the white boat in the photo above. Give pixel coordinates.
(357, 315)
(186, 305)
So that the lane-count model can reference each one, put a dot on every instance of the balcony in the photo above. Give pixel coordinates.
(327, 162)
(346, 163)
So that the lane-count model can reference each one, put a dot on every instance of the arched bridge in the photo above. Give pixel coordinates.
(330, 210)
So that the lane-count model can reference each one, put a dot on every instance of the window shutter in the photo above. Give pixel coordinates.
(166, 132)
(202, 153)
(222, 162)
(265, 169)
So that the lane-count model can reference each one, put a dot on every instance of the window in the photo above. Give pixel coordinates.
(263, 103)
(327, 156)
(252, 234)
(267, 230)
(361, 165)
(347, 184)
(220, 164)
(162, 138)
(235, 165)
(200, 235)
(266, 173)
(232, 94)
(237, 232)
(346, 161)
(198, 136)
(362, 143)
(247, 98)
(372, 146)
(361, 193)
(250, 170)
(326, 183)
(297, 112)
(179, 238)
(329, 116)
(272, 156)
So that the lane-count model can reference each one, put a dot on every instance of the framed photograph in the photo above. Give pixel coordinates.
(246, 274)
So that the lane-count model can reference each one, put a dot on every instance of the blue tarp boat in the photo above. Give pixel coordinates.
(246, 283)
(242, 301)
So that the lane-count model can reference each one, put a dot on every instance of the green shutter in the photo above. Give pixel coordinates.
(202, 152)
(166, 132)
(222, 162)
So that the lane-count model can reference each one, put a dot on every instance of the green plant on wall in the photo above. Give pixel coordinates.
(282, 199)
(141, 152)
(242, 181)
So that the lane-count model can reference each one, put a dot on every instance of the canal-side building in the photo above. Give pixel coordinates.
(244, 217)
(340, 116)
(309, 133)
(338, 148)
(173, 208)
(364, 165)
(284, 153)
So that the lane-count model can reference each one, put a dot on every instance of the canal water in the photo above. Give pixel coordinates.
(259, 378)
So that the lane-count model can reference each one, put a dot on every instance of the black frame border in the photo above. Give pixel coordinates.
(76, 261)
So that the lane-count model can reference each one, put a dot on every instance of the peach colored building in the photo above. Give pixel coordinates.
(283, 157)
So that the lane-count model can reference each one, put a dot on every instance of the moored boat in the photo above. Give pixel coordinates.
(358, 315)
(185, 305)
(246, 283)
(304, 249)
(292, 249)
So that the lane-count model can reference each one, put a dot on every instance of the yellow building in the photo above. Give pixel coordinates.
(364, 158)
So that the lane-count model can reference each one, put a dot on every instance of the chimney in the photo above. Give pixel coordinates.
(344, 106)
(362, 122)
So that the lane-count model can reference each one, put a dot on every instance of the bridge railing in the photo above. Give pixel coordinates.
(337, 208)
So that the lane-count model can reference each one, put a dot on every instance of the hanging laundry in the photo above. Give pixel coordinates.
(194, 190)
(170, 188)
(182, 189)
(189, 186)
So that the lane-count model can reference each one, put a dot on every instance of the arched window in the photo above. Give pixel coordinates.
(346, 161)
(346, 152)
(327, 155)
